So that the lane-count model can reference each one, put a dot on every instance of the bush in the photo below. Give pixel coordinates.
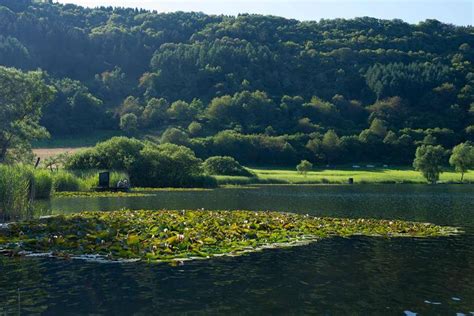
(226, 166)
(304, 166)
(117, 153)
(64, 181)
(148, 165)
(165, 165)
(43, 184)
(174, 136)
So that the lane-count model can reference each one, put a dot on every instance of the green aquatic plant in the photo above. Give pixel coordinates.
(64, 181)
(87, 194)
(43, 184)
(15, 191)
(169, 235)
(171, 189)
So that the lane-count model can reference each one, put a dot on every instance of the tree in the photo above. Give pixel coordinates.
(462, 158)
(22, 95)
(129, 123)
(377, 127)
(174, 136)
(304, 166)
(194, 128)
(330, 145)
(225, 165)
(155, 112)
(429, 160)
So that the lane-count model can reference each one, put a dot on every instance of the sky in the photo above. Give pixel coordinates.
(459, 12)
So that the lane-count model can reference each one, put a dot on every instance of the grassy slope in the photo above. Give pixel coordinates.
(398, 175)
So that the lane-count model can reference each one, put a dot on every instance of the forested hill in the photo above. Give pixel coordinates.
(262, 88)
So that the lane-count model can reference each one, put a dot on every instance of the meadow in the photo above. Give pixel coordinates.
(340, 175)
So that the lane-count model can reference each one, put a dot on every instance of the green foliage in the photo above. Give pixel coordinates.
(429, 161)
(304, 166)
(64, 181)
(129, 123)
(278, 85)
(174, 136)
(74, 109)
(166, 165)
(90, 178)
(194, 128)
(148, 165)
(43, 184)
(166, 235)
(228, 166)
(22, 96)
(15, 192)
(462, 158)
(330, 145)
(117, 153)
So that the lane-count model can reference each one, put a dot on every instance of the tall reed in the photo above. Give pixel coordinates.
(16, 185)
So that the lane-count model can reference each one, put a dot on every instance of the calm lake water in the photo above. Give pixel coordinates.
(333, 277)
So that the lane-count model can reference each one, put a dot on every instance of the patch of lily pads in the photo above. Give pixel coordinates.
(157, 236)
(89, 194)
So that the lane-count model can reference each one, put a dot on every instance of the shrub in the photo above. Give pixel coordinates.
(43, 184)
(165, 165)
(304, 166)
(148, 165)
(64, 181)
(174, 136)
(117, 153)
(224, 165)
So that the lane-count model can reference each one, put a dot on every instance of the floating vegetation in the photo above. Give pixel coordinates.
(170, 189)
(85, 194)
(170, 235)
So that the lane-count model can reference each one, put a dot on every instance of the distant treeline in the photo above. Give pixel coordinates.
(263, 89)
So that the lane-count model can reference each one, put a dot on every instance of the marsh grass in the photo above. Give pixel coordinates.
(43, 185)
(64, 181)
(15, 192)
(90, 178)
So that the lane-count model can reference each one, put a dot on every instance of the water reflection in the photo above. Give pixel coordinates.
(335, 276)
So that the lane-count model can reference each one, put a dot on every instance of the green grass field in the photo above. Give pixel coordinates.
(340, 176)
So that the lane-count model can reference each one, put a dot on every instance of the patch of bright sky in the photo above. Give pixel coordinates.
(459, 12)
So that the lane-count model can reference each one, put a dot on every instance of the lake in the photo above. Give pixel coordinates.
(338, 276)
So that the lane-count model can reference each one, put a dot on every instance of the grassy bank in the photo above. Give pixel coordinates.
(340, 176)
(167, 235)
(20, 185)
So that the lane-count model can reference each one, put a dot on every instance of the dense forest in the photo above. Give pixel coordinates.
(263, 89)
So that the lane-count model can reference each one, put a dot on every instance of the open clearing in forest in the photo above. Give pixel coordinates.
(340, 175)
(44, 153)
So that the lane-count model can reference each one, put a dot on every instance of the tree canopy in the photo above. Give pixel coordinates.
(22, 95)
(268, 84)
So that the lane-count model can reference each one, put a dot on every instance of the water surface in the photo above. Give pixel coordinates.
(336, 276)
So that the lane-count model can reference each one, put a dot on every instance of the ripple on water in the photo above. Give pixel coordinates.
(336, 276)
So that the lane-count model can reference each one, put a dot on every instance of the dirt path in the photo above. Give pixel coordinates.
(44, 153)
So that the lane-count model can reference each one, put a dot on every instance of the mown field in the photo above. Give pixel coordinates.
(341, 175)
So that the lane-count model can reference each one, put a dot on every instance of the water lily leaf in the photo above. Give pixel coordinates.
(133, 240)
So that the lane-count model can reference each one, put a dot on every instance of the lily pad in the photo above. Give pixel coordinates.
(170, 235)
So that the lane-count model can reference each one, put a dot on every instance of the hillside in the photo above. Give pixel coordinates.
(264, 89)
